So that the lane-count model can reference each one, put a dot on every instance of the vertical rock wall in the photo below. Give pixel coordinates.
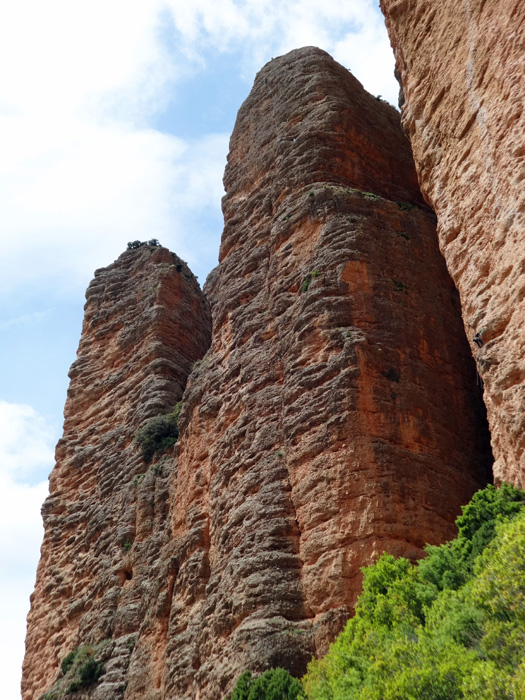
(336, 414)
(146, 322)
(462, 69)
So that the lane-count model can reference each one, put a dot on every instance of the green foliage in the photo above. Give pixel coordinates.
(159, 433)
(450, 627)
(477, 524)
(68, 661)
(89, 672)
(391, 375)
(405, 206)
(308, 280)
(274, 684)
(81, 668)
(133, 245)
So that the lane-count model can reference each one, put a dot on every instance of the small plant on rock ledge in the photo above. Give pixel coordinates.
(400, 287)
(133, 245)
(308, 280)
(405, 206)
(159, 433)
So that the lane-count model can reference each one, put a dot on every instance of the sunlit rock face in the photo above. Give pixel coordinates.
(146, 322)
(336, 414)
(461, 66)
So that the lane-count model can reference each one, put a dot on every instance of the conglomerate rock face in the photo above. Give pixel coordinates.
(462, 69)
(146, 322)
(336, 414)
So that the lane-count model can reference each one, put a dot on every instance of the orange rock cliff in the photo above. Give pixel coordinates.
(462, 70)
(335, 414)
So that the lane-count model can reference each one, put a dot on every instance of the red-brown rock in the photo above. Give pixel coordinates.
(146, 322)
(336, 414)
(462, 68)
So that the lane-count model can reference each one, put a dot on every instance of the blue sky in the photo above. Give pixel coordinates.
(115, 117)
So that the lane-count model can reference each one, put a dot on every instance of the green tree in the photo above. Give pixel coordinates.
(450, 627)
(274, 684)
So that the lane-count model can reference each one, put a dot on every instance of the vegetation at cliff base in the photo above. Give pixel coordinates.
(159, 433)
(450, 627)
(274, 684)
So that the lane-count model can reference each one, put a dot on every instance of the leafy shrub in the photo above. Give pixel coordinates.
(391, 375)
(133, 245)
(68, 661)
(405, 206)
(159, 433)
(400, 287)
(308, 280)
(450, 627)
(274, 684)
(89, 672)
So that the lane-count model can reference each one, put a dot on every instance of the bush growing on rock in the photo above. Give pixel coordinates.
(80, 669)
(274, 684)
(133, 245)
(159, 433)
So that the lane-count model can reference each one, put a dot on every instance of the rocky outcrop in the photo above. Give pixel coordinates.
(146, 322)
(461, 66)
(336, 414)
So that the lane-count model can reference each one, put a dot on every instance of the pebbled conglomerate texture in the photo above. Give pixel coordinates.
(100, 580)
(462, 69)
(336, 413)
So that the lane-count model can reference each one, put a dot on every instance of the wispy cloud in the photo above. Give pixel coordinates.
(24, 320)
(82, 170)
(352, 31)
(26, 442)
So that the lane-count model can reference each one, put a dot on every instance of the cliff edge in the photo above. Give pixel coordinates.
(462, 70)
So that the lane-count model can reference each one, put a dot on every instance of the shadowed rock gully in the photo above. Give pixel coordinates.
(461, 66)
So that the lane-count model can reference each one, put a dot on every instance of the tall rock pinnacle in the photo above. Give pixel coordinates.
(146, 322)
(462, 69)
(336, 414)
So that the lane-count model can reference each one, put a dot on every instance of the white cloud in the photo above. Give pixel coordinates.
(99, 187)
(81, 172)
(26, 442)
(24, 320)
(59, 55)
(26, 455)
(352, 31)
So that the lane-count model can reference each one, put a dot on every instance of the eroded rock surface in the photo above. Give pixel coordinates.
(462, 68)
(100, 580)
(336, 414)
